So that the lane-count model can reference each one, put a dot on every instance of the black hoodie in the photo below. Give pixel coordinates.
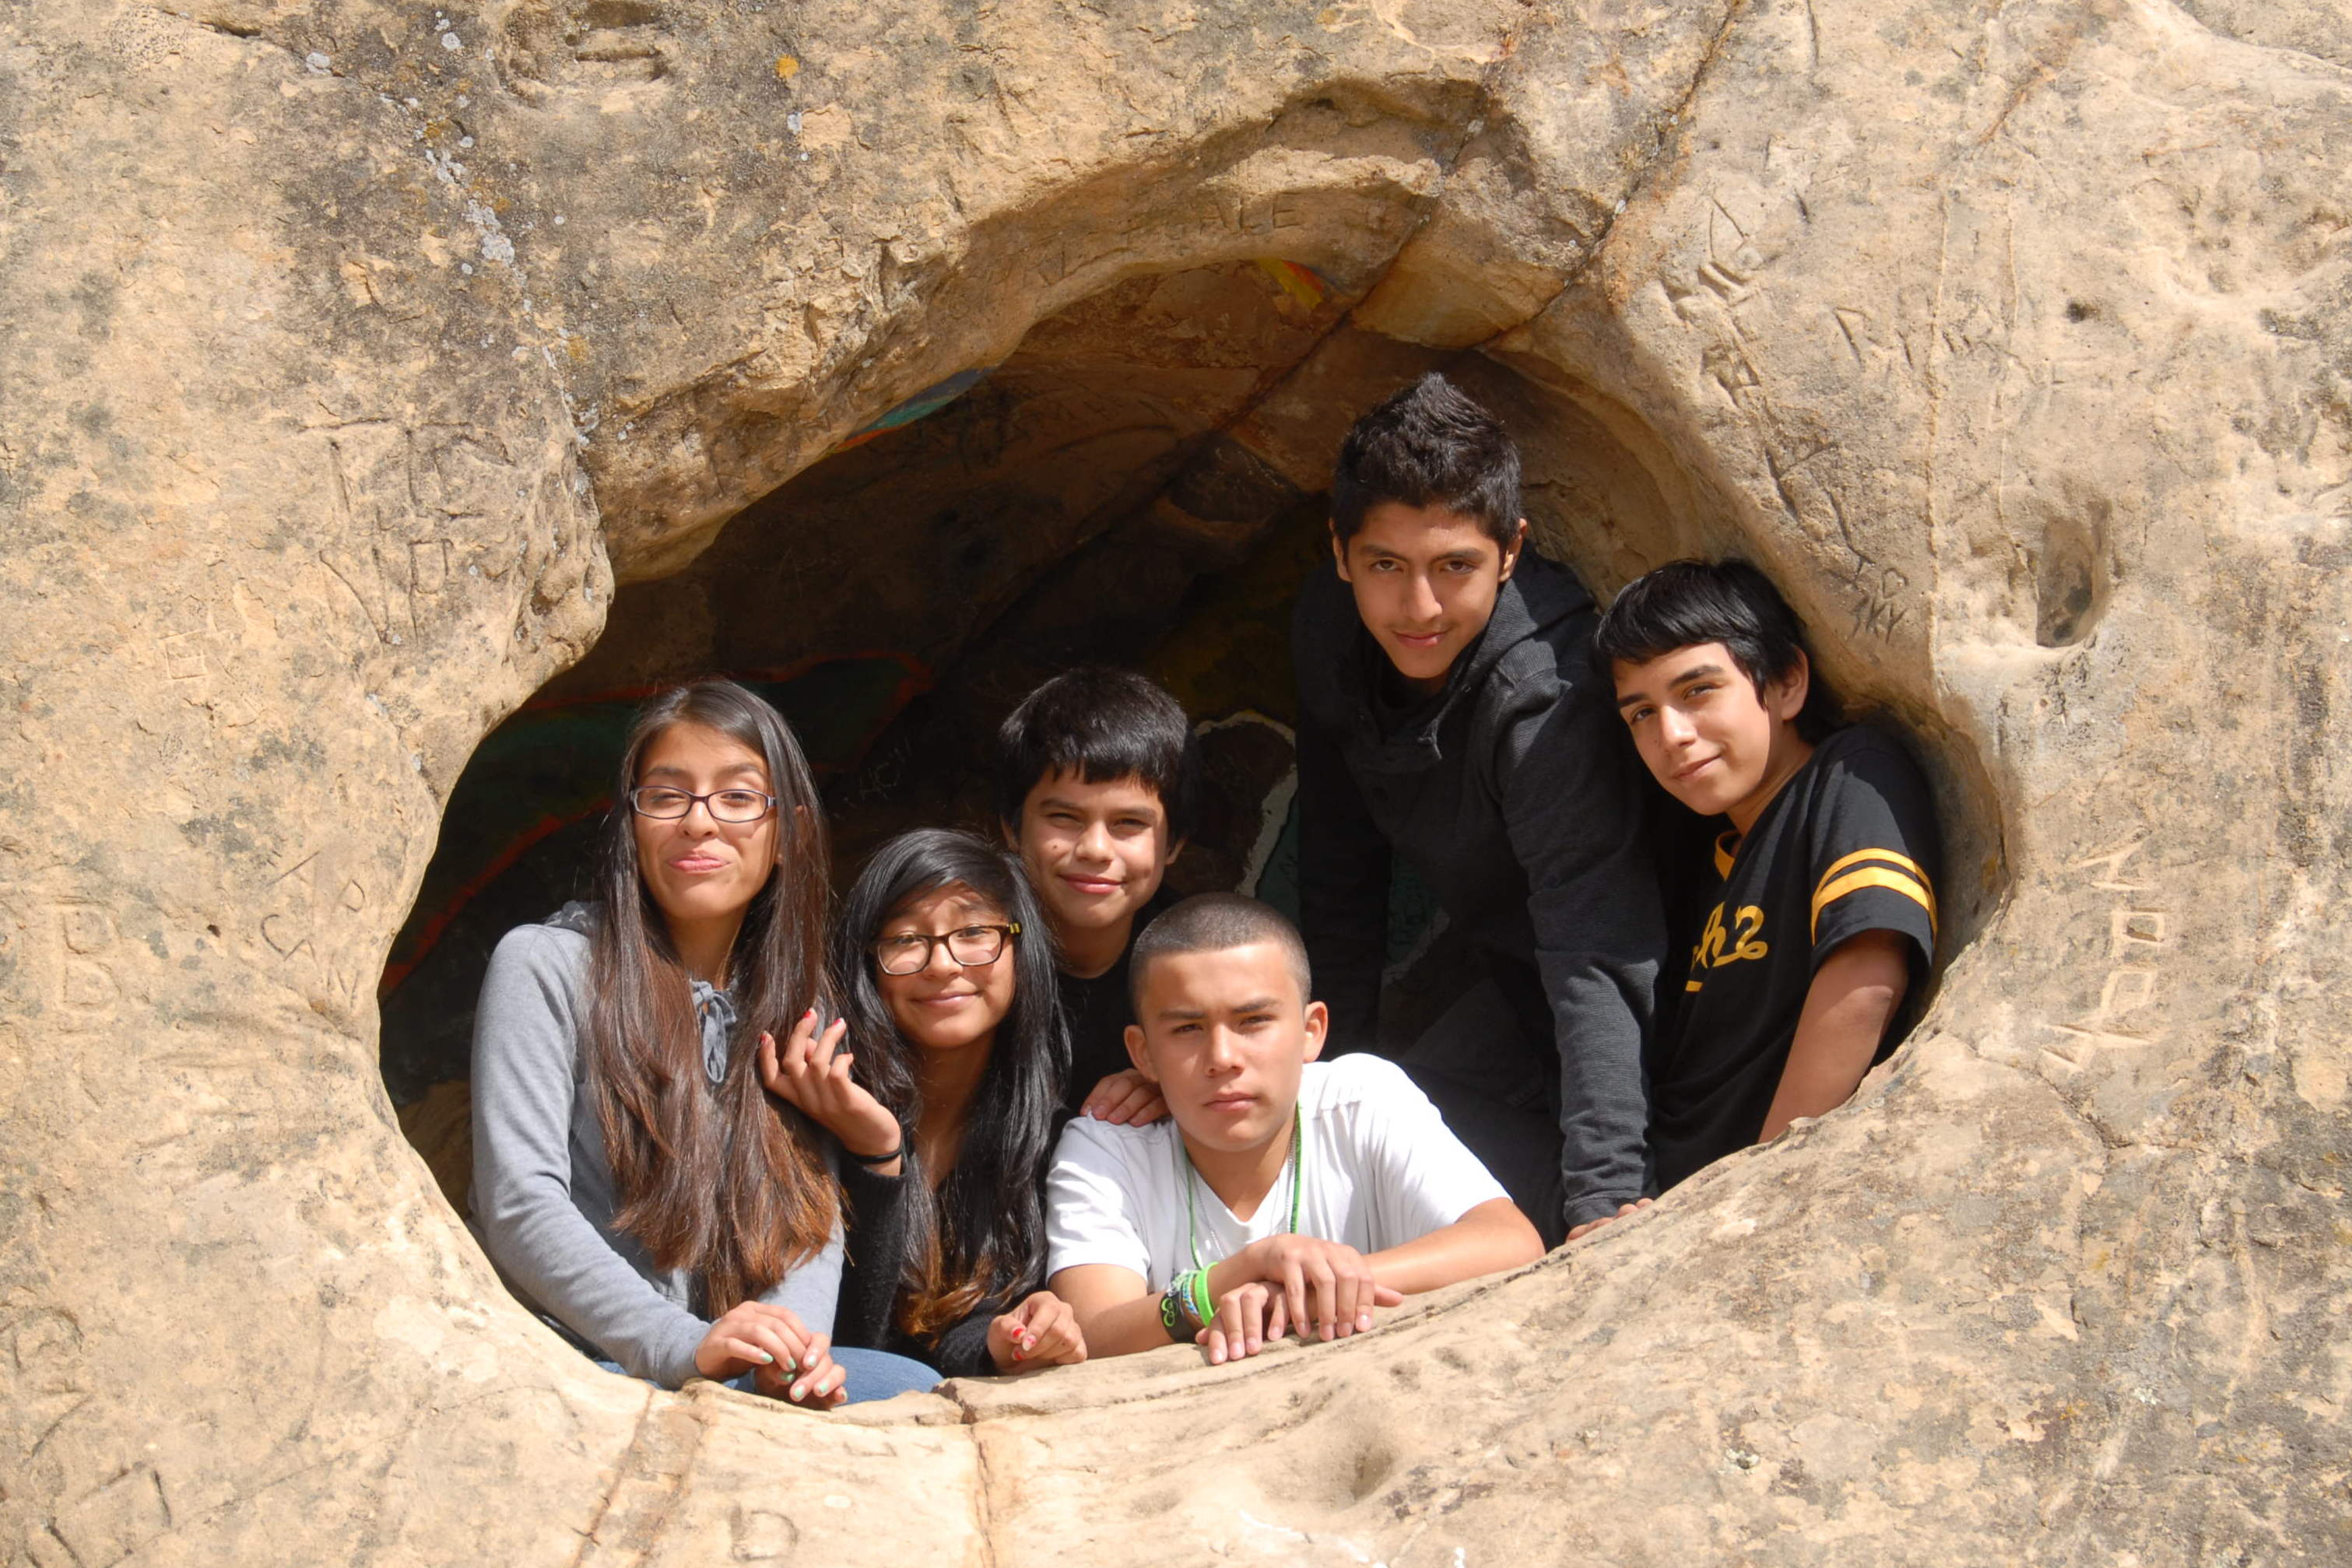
(1512, 794)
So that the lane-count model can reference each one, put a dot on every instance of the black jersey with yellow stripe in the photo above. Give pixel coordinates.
(1848, 845)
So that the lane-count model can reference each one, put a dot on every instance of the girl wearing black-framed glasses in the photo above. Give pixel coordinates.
(954, 1058)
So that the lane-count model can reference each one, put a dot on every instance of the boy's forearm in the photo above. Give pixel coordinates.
(1491, 1238)
(1599, 930)
(1600, 975)
(1115, 1322)
(1129, 1326)
(1604, 1107)
(1851, 1001)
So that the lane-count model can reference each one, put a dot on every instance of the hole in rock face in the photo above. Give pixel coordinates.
(1140, 482)
(2070, 578)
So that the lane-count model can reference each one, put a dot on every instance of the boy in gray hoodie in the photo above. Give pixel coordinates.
(1451, 713)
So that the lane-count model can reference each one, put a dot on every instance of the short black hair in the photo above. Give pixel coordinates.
(1429, 445)
(1686, 604)
(1211, 922)
(1101, 724)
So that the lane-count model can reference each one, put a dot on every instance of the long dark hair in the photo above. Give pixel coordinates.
(723, 1181)
(983, 1234)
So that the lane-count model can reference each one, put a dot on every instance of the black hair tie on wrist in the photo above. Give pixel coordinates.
(876, 1159)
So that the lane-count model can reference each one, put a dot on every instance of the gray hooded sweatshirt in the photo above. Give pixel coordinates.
(543, 1198)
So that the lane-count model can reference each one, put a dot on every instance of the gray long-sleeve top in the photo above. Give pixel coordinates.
(543, 1198)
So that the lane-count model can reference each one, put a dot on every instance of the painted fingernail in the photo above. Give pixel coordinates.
(763, 1355)
(792, 1364)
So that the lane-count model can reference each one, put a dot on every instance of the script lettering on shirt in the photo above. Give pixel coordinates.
(1720, 945)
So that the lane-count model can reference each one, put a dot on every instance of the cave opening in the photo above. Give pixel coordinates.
(1140, 482)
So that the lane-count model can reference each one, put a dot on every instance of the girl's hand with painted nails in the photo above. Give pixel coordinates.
(1126, 1099)
(751, 1337)
(811, 1071)
(819, 1383)
(1041, 1332)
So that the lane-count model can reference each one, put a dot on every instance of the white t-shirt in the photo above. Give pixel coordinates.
(1381, 1170)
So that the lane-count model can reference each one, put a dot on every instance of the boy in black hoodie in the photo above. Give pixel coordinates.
(1451, 713)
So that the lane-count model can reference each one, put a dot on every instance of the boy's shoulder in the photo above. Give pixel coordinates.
(1863, 766)
(1352, 1080)
(1360, 1099)
(1109, 1146)
(1323, 651)
(1860, 849)
(1543, 625)
(1865, 744)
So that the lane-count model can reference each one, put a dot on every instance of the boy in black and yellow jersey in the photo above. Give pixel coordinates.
(1822, 918)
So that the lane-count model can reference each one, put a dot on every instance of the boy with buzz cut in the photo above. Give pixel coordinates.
(1096, 772)
(1821, 903)
(1280, 1193)
(1451, 713)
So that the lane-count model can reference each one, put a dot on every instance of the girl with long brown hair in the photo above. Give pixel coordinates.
(632, 1180)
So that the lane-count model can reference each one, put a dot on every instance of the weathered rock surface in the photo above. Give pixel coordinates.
(354, 352)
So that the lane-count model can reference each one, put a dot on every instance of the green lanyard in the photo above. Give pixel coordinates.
(1297, 1182)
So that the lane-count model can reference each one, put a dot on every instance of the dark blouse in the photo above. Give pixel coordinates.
(879, 1240)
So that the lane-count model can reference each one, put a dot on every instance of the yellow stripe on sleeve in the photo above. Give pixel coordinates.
(1909, 886)
(1889, 856)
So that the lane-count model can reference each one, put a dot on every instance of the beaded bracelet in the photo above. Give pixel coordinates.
(1184, 1307)
(1174, 1307)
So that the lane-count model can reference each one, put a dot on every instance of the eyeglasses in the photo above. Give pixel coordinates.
(665, 804)
(909, 952)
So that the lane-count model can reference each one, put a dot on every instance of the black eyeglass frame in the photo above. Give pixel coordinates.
(693, 799)
(1005, 932)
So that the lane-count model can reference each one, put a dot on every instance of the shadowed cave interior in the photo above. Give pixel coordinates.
(1114, 490)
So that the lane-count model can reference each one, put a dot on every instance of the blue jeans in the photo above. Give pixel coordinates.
(871, 1375)
(879, 1373)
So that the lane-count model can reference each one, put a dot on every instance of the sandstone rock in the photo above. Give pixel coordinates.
(357, 350)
